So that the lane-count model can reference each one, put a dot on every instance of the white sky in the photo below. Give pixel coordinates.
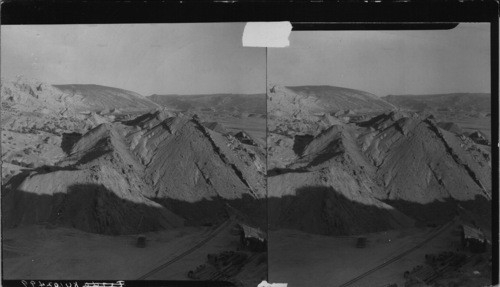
(145, 58)
(387, 62)
(209, 58)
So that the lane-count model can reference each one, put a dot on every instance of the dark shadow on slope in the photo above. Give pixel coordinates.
(277, 171)
(139, 119)
(93, 208)
(332, 150)
(323, 210)
(102, 147)
(300, 142)
(49, 168)
(199, 126)
(373, 121)
(88, 207)
(68, 140)
(477, 212)
(215, 210)
(314, 209)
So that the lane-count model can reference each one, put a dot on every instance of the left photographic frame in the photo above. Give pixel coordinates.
(133, 152)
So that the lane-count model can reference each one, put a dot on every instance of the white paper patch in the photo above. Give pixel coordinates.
(266, 284)
(267, 34)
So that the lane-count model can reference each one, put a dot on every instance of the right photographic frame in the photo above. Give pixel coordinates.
(379, 157)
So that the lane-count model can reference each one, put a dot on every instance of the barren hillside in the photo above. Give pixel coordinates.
(367, 171)
(171, 160)
(99, 98)
(309, 100)
(236, 103)
(155, 170)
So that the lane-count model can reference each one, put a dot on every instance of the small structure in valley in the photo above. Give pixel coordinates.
(252, 238)
(361, 242)
(473, 239)
(141, 241)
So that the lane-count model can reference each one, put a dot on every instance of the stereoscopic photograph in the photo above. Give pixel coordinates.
(379, 158)
(133, 152)
(172, 152)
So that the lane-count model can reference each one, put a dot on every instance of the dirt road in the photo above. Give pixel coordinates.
(216, 231)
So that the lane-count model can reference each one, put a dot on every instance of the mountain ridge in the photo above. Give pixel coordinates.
(247, 103)
(99, 97)
(479, 102)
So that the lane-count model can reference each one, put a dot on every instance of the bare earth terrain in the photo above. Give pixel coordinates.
(402, 176)
(40, 252)
(315, 258)
(88, 172)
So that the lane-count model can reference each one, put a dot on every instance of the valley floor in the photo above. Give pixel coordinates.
(62, 253)
(469, 124)
(302, 259)
(40, 252)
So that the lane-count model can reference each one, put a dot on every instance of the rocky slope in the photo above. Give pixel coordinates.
(123, 177)
(30, 95)
(157, 170)
(366, 174)
(37, 120)
(310, 100)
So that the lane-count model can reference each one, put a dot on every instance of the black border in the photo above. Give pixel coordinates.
(126, 283)
(127, 11)
(494, 148)
(304, 15)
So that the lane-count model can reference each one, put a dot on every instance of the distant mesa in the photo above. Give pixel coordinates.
(26, 94)
(338, 98)
(454, 102)
(304, 101)
(29, 94)
(108, 99)
(228, 103)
